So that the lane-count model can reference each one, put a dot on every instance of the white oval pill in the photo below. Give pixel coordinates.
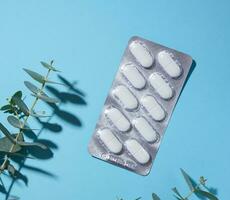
(127, 99)
(168, 64)
(145, 129)
(118, 119)
(141, 53)
(110, 140)
(161, 86)
(133, 76)
(153, 107)
(137, 151)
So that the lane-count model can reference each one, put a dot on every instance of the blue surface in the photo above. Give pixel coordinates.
(87, 40)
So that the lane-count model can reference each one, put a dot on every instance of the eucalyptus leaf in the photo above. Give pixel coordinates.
(13, 110)
(39, 94)
(48, 66)
(46, 98)
(30, 144)
(188, 180)
(155, 197)
(177, 192)
(17, 94)
(9, 111)
(15, 122)
(6, 107)
(36, 76)
(34, 89)
(22, 106)
(206, 194)
(6, 144)
(6, 133)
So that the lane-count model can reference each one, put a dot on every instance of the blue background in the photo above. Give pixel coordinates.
(87, 39)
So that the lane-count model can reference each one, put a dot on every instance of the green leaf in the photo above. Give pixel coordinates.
(6, 107)
(6, 144)
(17, 94)
(155, 197)
(9, 111)
(206, 194)
(30, 144)
(6, 133)
(10, 108)
(34, 89)
(188, 180)
(22, 106)
(177, 192)
(46, 98)
(36, 76)
(48, 66)
(15, 122)
(39, 94)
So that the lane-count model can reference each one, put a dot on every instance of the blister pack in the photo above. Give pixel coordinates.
(139, 105)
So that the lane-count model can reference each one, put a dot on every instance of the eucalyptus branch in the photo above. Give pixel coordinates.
(12, 143)
(24, 123)
(200, 190)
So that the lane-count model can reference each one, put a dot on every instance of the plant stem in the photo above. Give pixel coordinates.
(192, 192)
(3, 166)
(22, 164)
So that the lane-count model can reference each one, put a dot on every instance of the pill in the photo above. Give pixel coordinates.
(145, 129)
(141, 53)
(118, 119)
(110, 140)
(168, 64)
(153, 107)
(161, 86)
(127, 99)
(133, 76)
(137, 151)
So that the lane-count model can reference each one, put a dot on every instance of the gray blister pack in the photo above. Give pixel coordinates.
(139, 105)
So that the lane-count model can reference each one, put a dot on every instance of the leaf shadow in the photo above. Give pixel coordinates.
(53, 127)
(66, 116)
(73, 96)
(71, 86)
(42, 154)
(66, 97)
